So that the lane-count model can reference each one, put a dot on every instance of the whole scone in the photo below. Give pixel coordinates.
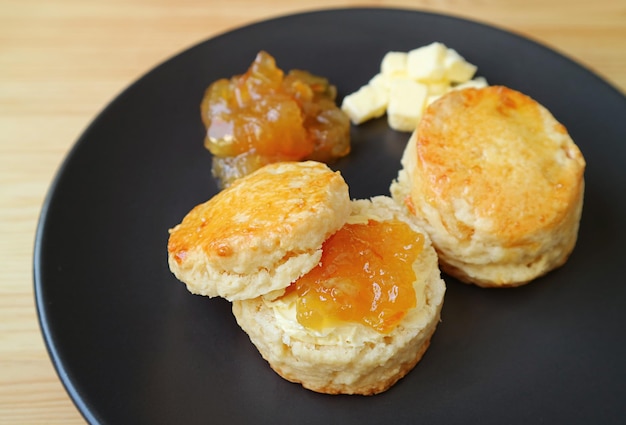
(498, 184)
(340, 356)
(261, 233)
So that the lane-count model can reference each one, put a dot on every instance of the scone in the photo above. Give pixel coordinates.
(261, 233)
(361, 319)
(496, 182)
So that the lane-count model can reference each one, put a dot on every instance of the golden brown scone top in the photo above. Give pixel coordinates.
(275, 212)
(502, 152)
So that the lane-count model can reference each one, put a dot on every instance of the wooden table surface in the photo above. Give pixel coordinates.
(62, 61)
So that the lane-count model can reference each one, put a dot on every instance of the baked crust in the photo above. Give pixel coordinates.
(261, 233)
(498, 184)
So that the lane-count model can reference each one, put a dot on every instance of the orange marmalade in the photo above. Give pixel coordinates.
(265, 116)
(365, 276)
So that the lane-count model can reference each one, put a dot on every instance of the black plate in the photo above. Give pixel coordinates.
(132, 346)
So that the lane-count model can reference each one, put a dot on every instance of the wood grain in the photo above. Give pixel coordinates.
(62, 61)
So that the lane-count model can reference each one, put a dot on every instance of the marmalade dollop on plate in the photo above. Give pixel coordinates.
(266, 116)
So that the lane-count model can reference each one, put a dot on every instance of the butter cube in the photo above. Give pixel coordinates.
(408, 82)
(477, 83)
(380, 82)
(427, 63)
(438, 87)
(457, 69)
(366, 103)
(393, 63)
(406, 103)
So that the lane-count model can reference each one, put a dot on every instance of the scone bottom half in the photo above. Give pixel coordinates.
(261, 233)
(498, 184)
(320, 333)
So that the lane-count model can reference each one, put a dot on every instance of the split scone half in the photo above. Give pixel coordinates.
(261, 233)
(363, 317)
(497, 182)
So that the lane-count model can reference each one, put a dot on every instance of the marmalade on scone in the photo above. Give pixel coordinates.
(365, 276)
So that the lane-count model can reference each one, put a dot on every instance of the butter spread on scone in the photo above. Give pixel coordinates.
(498, 184)
(261, 233)
(354, 324)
